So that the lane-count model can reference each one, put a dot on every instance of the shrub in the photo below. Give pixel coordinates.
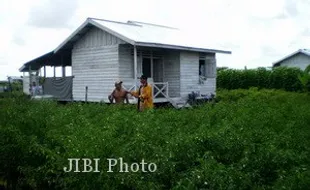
(304, 79)
(278, 78)
(250, 139)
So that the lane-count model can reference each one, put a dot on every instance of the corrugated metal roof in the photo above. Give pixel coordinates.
(132, 32)
(306, 51)
(150, 35)
(303, 51)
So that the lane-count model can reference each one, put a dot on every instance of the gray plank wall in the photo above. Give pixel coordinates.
(95, 64)
(300, 60)
(172, 72)
(189, 73)
(209, 86)
(126, 65)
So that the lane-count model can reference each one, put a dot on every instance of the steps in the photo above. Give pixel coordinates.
(179, 103)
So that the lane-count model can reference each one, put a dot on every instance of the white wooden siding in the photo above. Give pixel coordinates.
(95, 64)
(97, 38)
(209, 86)
(96, 68)
(189, 73)
(126, 65)
(300, 61)
(172, 72)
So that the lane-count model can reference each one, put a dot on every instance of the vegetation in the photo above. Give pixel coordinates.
(250, 139)
(14, 85)
(278, 78)
(304, 79)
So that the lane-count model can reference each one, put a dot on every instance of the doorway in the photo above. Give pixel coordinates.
(147, 67)
(153, 69)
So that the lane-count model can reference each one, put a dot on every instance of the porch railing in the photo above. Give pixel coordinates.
(159, 89)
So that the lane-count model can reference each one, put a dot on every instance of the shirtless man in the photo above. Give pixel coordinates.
(119, 94)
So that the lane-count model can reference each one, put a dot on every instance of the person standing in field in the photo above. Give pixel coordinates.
(119, 94)
(144, 95)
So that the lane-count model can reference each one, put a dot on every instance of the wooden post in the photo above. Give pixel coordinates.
(167, 90)
(153, 91)
(63, 66)
(86, 91)
(44, 71)
(63, 71)
(135, 66)
(30, 83)
(54, 71)
(152, 65)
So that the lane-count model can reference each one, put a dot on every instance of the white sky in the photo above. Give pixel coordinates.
(257, 32)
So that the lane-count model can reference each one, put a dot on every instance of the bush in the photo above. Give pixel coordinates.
(250, 139)
(278, 78)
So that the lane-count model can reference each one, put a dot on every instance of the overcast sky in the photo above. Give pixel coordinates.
(257, 32)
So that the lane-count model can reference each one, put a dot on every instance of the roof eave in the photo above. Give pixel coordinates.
(181, 48)
(25, 67)
(22, 68)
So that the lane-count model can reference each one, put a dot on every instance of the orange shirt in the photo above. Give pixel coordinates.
(146, 99)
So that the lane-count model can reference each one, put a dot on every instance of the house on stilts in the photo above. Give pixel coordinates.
(102, 51)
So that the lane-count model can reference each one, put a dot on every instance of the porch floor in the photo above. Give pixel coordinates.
(155, 100)
(160, 100)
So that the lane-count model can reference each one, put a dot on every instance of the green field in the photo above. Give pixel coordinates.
(248, 139)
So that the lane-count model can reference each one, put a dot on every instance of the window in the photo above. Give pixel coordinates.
(202, 68)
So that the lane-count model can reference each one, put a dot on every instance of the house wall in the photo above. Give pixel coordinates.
(209, 85)
(172, 72)
(300, 60)
(95, 65)
(126, 65)
(189, 74)
(95, 37)
(181, 71)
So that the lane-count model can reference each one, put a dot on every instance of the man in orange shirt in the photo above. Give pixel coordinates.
(144, 95)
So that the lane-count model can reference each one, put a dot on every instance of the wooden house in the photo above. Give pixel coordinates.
(102, 51)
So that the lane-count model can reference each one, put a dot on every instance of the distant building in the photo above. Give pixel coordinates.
(299, 59)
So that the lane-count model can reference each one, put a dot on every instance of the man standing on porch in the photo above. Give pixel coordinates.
(144, 95)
